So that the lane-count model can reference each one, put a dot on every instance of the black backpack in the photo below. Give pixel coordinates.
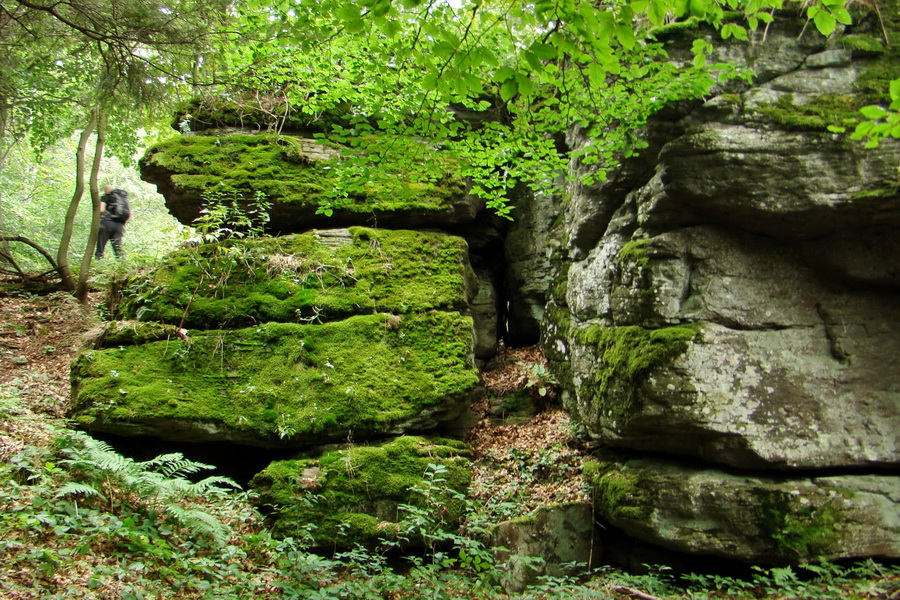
(119, 210)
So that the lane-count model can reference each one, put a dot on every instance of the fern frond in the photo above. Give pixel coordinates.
(215, 484)
(199, 522)
(174, 465)
(74, 489)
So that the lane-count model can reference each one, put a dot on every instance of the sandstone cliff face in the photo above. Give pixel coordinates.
(731, 296)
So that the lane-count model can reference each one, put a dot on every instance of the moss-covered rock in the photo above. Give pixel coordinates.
(296, 175)
(255, 113)
(283, 384)
(353, 494)
(302, 278)
(621, 358)
(764, 520)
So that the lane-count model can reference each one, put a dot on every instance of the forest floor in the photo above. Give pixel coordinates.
(533, 458)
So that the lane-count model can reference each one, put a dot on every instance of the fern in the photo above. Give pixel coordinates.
(73, 489)
(154, 485)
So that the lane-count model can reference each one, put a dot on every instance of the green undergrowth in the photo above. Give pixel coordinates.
(78, 520)
(281, 383)
(280, 168)
(298, 278)
(363, 494)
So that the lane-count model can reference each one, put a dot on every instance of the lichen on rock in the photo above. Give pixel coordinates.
(773, 519)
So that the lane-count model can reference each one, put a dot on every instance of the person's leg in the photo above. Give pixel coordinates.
(117, 231)
(102, 238)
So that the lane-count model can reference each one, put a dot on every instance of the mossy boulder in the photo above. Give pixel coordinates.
(283, 384)
(316, 276)
(296, 175)
(763, 520)
(258, 113)
(353, 494)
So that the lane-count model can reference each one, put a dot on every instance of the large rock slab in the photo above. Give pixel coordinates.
(353, 494)
(313, 277)
(293, 173)
(786, 370)
(757, 519)
(283, 384)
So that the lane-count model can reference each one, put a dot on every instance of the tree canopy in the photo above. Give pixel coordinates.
(486, 88)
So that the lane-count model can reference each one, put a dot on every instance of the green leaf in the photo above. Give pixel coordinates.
(825, 23)
(873, 112)
(895, 89)
(657, 12)
(836, 129)
(543, 51)
(509, 89)
(525, 85)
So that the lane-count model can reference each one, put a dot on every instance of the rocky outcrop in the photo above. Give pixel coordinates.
(293, 341)
(292, 174)
(760, 519)
(556, 540)
(400, 491)
(732, 297)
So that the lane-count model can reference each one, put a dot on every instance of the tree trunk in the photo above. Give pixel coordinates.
(81, 293)
(62, 256)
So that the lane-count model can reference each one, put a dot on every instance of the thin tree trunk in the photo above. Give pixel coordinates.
(81, 293)
(62, 256)
(5, 250)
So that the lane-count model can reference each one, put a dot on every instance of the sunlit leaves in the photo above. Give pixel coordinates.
(394, 68)
(880, 122)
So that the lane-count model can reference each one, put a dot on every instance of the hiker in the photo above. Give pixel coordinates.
(114, 213)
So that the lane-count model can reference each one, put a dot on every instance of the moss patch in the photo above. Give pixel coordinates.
(297, 278)
(818, 114)
(281, 383)
(277, 167)
(635, 252)
(352, 495)
(799, 530)
(624, 355)
(620, 494)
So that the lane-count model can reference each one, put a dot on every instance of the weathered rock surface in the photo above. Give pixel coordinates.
(771, 377)
(764, 520)
(556, 540)
(533, 236)
(352, 494)
(732, 296)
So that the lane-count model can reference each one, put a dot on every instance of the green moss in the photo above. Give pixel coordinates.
(297, 278)
(272, 165)
(799, 530)
(635, 252)
(818, 114)
(624, 356)
(677, 29)
(862, 44)
(352, 495)
(365, 375)
(199, 114)
(620, 495)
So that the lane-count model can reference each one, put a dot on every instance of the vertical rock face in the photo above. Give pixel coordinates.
(732, 296)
